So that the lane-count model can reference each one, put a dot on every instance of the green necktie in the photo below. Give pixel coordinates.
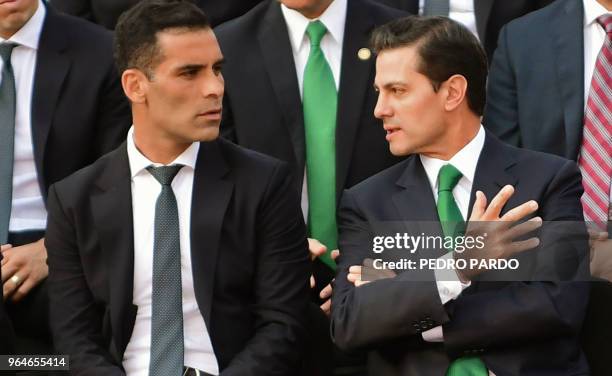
(453, 225)
(320, 103)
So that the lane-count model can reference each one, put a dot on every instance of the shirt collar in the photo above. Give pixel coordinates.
(592, 11)
(334, 18)
(138, 162)
(29, 34)
(465, 160)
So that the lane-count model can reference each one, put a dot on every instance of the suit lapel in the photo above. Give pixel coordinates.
(277, 57)
(492, 170)
(52, 66)
(416, 204)
(356, 74)
(482, 10)
(211, 195)
(112, 211)
(568, 42)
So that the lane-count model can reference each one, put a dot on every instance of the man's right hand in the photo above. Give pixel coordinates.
(500, 240)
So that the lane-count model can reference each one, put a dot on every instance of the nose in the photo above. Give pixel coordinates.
(214, 86)
(382, 109)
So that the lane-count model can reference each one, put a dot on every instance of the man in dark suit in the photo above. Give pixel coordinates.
(62, 108)
(269, 106)
(543, 94)
(485, 18)
(178, 249)
(269, 117)
(431, 73)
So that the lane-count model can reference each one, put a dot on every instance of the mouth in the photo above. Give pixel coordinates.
(214, 114)
(391, 131)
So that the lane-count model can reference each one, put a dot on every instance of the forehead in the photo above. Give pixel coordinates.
(396, 64)
(197, 46)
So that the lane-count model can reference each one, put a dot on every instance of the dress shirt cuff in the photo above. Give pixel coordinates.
(434, 334)
(448, 283)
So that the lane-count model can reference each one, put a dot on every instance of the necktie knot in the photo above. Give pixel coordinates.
(164, 174)
(6, 49)
(316, 30)
(606, 22)
(448, 177)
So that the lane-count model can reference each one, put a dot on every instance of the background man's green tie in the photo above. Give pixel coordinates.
(320, 104)
(453, 225)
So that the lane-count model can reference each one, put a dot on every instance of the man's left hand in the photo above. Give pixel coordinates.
(23, 268)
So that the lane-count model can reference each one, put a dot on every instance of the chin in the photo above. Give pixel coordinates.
(208, 134)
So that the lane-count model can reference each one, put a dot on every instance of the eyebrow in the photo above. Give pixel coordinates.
(199, 66)
(392, 83)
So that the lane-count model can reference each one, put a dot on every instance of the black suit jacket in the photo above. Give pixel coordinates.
(535, 93)
(262, 104)
(107, 12)
(491, 16)
(517, 328)
(79, 111)
(249, 259)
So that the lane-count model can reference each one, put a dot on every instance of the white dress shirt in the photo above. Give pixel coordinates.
(465, 160)
(28, 208)
(199, 352)
(461, 11)
(594, 38)
(334, 19)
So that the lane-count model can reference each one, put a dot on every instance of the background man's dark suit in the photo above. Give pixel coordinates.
(516, 328)
(249, 259)
(262, 106)
(78, 114)
(106, 12)
(79, 111)
(491, 15)
(539, 69)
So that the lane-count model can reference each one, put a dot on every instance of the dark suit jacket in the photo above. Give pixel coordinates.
(79, 111)
(491, 15)
(107, 12)
(517, 328)
(249, 259)
(535, 93)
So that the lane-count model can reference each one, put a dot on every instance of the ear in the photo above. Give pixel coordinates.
(135, 85)
(454, 91)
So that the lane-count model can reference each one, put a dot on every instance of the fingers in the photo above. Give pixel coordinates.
(22, 290)
(523, 228)
(334, 254)
(521, 246)
(316, 248)
(354, 274)
(520, 212)
(480, 205)
(495, 207)
(595, 235)
(326, 292)
(5, 247)
(326, 307)
(8, 269)
(312, 282)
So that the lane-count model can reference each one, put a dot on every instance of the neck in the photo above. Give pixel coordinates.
(606, 4)
(316, 10)
(8, 28)
(460, 132)
(156, 147)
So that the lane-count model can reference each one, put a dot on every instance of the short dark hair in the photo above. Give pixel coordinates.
(445, 47)
(135, 42)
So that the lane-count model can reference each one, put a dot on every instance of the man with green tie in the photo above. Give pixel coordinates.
(431, 74)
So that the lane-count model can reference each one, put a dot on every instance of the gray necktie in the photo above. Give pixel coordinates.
(7, 138)
(436, 8)
(167, 348)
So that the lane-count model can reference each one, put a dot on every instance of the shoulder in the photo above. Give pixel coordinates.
(381, 184)
(538, 20)
(248, 164)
